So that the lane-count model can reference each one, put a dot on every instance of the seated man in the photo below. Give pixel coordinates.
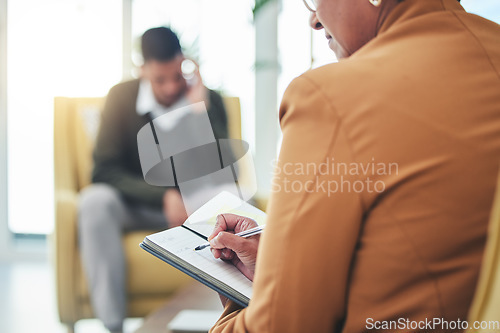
(120, 200)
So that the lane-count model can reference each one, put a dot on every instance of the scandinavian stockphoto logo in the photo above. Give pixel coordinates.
(330, 176)
(179, 148)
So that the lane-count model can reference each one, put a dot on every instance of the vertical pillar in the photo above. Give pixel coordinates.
(266, 93)
(5, 239)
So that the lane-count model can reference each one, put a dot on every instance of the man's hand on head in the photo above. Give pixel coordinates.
(196, 91)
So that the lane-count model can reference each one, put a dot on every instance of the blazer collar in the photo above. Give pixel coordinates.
(409, 9)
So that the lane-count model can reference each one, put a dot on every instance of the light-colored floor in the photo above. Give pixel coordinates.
(28, 300)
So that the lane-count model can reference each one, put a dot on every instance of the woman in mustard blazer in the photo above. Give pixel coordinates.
(382, 192)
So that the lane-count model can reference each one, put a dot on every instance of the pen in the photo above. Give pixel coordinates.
(244, 234)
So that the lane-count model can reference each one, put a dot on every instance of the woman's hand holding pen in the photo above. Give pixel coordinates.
(242, 252)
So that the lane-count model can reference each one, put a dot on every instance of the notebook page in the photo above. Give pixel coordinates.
(203, 220)
(181, 242)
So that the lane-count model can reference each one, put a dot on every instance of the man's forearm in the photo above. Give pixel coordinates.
(132, 187)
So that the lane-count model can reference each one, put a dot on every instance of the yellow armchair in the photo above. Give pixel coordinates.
(150, 282)
(485, 307)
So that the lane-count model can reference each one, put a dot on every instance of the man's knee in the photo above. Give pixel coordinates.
(97, 201)
(97, 195)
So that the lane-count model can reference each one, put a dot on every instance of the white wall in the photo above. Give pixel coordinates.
(55, 48)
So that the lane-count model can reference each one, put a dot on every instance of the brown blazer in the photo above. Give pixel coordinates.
(415, 114)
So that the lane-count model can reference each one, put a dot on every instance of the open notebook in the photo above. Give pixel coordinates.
(176, 246)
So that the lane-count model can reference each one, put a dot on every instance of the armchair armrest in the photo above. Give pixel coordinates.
(65, 244)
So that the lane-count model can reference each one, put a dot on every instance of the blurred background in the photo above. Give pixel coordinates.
(80, 48)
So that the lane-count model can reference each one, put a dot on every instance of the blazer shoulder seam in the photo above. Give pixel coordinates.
(487, 55)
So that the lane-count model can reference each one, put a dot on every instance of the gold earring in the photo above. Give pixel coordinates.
(376, 3)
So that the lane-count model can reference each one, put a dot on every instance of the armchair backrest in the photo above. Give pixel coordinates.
(233, 110)
(76, 122)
